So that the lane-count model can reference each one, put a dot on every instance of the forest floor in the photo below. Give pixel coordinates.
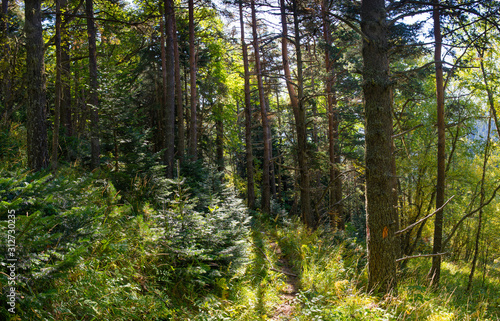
(289, 292)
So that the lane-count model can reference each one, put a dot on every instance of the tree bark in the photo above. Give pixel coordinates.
(299, 111)
(38, 156)
(66, 117)
(248, 117)
(435, 272)
(94, 86)
(193, 136)
(170, 89)
(335, 206)
(58, 87)
(266, 186)
(181, 146)
(380, 212)
(6, 84)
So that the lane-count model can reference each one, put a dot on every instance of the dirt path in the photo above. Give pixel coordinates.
(285, 309)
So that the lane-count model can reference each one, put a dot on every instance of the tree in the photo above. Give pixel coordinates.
(299, 112)
(169, 91)
(38, 156)
(266, 186)
(248, 116)
(94, 86)
(57, 105)
(335, 206)
(435, 271)
(193, 135)
(380, 213)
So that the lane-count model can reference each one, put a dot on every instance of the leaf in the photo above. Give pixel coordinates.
(385, 232)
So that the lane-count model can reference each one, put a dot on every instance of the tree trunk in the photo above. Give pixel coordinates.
(299, 111)
(380, 212)
(178, 95)
(335, 207)
(66, 117)
(435, 271)
(58, 87)
(94, 95)
(170, 89)
(6, 84)
(248, 117)
(266, 187)
(193, 136)
(160, 114)
(38, 156)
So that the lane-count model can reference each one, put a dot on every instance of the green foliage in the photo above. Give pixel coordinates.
(203, 246)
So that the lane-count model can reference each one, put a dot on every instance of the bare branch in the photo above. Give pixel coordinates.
(421, 255)
(428, 216)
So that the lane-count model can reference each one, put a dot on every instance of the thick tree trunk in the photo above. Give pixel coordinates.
(380, 212)
(94, 95)
(193, 128)
(170, 89)
(435, 271)
(58, 87)
(179, 102)
(38, 156)
(248, 117)
(335, 207)
(266, 186)
(299, 111)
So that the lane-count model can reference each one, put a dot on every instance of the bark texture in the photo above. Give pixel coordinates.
(380, 212)
(435, 271)
(170, 89)
(248, 116)
(94, 86)
(38, 155)
(266, 186)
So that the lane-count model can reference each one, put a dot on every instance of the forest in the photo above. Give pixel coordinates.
(249, 160)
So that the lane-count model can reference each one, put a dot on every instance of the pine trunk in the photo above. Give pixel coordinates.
(435, 271)
(58, 87)
(193, 128)
(335, 207)
(266, 186)
(248, 117)
(94, 95)
(179, 102)
(170, 89)
(38, 156)
(380, 212)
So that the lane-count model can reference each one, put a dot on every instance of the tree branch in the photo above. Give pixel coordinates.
(428, 216)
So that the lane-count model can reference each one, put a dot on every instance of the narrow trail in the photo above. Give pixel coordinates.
(285, 309)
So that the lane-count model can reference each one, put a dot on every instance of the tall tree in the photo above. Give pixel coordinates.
(38, 156)
(266, 186)
(435, 271)
(299, 111)
(248, 115)
(66, 117)
(169, 95)
(193, 135)
(6, 83)
(58, 86)
(380, 212)
(335, 206)
(178, 96)
(94, 86)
